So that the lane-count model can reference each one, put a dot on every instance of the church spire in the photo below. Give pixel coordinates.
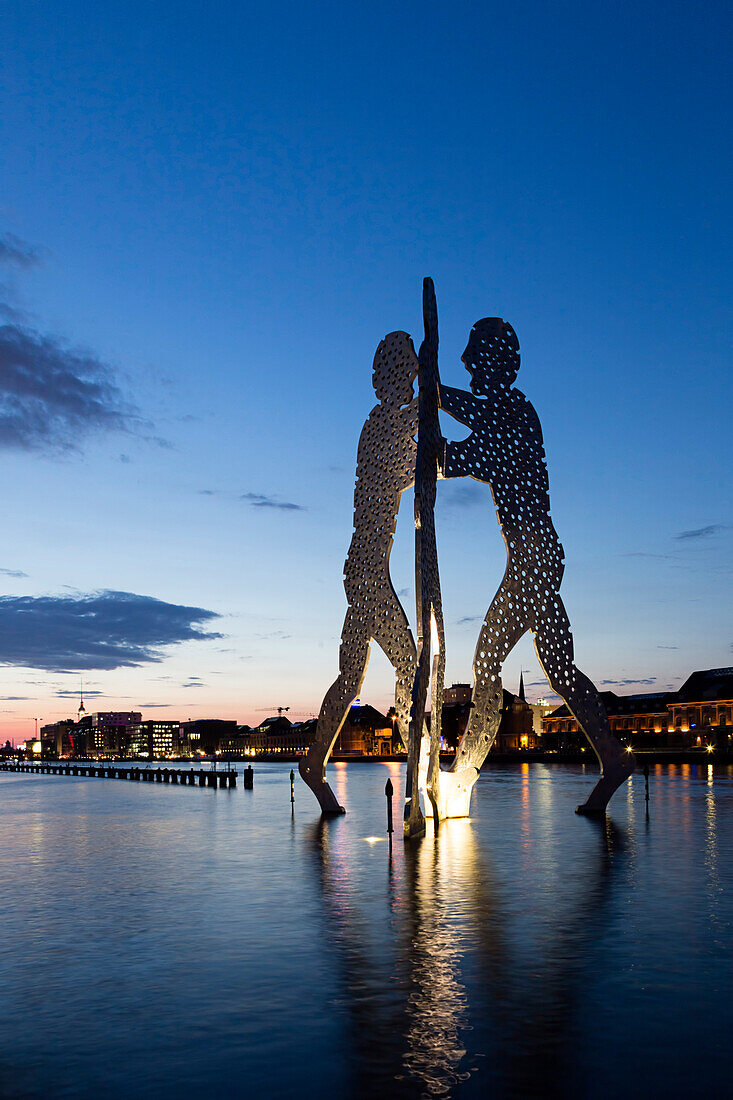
(521, 686)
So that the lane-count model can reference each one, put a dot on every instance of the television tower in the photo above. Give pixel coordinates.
(82, 710)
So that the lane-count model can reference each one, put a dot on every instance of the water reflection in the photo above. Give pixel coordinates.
(440, 994)
(532, 991)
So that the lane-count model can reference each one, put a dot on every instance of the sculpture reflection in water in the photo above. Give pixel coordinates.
(466, 996)
(403, 1002)
(504, 450)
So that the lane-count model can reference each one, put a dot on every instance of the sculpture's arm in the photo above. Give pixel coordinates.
(410, 414)
(456, 458)
(456, 454)
(455, 402)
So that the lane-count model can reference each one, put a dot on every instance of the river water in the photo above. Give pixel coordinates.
(161, 941)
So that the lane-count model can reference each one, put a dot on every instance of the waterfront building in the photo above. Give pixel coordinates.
(540, 710)
(205, 735)
(366, 732)
(516, 726)
(153, 739)
(457, 695)
(699, 715)
(107, 732)
(57, 738)
(703, 708)
(237, 744)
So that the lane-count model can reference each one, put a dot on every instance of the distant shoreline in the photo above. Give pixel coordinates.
(648, 756)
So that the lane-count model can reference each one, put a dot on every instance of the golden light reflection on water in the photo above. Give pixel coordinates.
(437, 873)
(526, 818)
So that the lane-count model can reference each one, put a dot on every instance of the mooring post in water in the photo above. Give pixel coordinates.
(248, 776)
(389, 791)
(646, 785)
(292, 785)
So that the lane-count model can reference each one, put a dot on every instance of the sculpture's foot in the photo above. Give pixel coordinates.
(413, 825)
(453, 797)
(312, 774)
(607, 785)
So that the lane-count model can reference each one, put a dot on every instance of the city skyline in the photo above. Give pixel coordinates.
(240, 210)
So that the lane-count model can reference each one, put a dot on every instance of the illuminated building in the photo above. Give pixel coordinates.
(540, 710)
(365, 732)
(108, 732)
(698, 715)
(206, 735)
(153, 739)
(57, 738)
(516, 728)
(457, 695)
(278, 736)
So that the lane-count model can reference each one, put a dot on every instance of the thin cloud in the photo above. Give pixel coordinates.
(194, 682)
(15, 698)
(101, 630)
(702, 532)
(469, 619)
(17, 253)
(259, 500)
(668, 647)
(628, 683)
(17, 573)
(643, 554)
(466, 496)
(50, 395)
(88, 694)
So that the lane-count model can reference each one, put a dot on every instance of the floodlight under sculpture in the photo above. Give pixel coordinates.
(504, 450)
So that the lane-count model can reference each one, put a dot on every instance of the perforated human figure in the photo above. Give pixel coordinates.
(385, 467)
(505, 449)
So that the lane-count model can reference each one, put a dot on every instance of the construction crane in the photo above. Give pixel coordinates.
(282, 710)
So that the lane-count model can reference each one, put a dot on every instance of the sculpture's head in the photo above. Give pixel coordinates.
(395, 369)
(491, 356)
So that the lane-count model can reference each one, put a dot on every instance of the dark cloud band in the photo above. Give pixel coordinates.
(102, 630)
(50, 396)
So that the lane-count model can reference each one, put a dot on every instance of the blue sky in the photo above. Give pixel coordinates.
(211, 214)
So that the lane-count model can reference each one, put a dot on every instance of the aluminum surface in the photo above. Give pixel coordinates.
(385, 467)
(505, 449)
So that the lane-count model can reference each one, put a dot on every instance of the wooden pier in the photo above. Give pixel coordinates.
(191, 778)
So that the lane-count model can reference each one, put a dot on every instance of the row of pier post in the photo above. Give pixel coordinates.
(188, 777)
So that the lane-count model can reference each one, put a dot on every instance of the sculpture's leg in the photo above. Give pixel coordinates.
(392, 634)
(353, 661)
(423, 768)
(554, 645)
(436, 707)
(499, 634)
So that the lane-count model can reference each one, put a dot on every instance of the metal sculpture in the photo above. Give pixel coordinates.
(385, 467)
(505, 449)
(427, 579)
